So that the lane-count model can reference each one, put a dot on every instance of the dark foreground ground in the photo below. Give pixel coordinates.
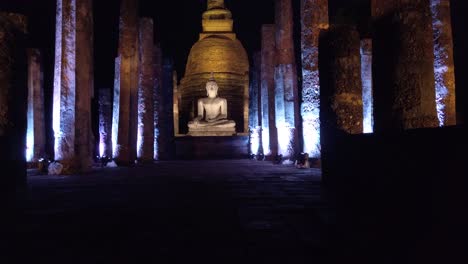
(237, 211)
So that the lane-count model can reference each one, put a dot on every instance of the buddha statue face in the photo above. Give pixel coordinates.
(212, 89)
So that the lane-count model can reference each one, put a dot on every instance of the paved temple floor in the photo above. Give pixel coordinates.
(232, 211)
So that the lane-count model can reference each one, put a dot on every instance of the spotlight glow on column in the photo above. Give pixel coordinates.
(255, 140)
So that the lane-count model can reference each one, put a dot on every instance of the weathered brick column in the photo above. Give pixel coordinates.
(343, 108)
(35, 135)
(126, 139)
(166, 145)
(105, 122)
(314, 20)
(73, 85)
(403, 54)
(145, 145)
(254, 109)
(444, 63)
(286, 91)
(157, 88)
(267, 92)
(366, 77)
(13, 101)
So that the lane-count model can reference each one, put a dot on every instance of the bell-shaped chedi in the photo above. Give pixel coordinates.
(218, 51)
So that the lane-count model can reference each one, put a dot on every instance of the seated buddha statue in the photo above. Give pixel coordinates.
(212, 114)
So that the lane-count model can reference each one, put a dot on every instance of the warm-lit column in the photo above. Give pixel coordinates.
(267, 92)
(344, 111)
(73, 85)
(13, 101)
(157, 88)
(366, 77)
(145, 144)
(105, 123)
(403, 57)
(314, 20)
(125, 147)
(286, 91)
(35, 135)
(254, 110)
(444, 63)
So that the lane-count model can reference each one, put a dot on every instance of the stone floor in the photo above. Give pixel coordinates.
(233, 211)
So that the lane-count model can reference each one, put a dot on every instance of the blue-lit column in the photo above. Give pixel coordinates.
(254, 103)
(366, 77)
(73, 85)
(35, 135)
(267, 92)
(286, 87)
(145, 141)
(314, 20)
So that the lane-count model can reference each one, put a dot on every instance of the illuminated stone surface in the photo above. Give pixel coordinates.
(13, 98)
(217, 51)
(157, 95)
(125, 147)
(145, 144)
(404, 94)
(73, 85)
(343, 110)
(443, 63)
(105, 122)
(267, 91)
(286, 91)
(366, 77)
(314, 19)
(35, 135)
(255, 106)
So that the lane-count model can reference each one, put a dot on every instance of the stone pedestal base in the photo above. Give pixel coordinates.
(212, 132)
(215, 147)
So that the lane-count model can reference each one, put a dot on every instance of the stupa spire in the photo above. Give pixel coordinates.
(215, 4)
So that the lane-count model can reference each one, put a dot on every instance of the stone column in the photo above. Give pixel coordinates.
(366, 77)
(73, 85)
(403, 53)
(105, 122)
(267, 82)
(314, 20)
(125, 149)
(286, 91)
(13, 101)
(343, 109)
(254, 111)
(35, 135)
(176, 99)
(166, 128)
(444, 64)
(157, 88)
(145, 143)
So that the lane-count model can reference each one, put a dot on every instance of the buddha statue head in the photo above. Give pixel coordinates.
(212, 87)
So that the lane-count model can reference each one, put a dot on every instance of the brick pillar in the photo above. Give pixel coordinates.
(73, 85)
(403, 54)
(125, 149)
(35, 135)
(166, 149)
(314, 20)
(267, 82)
(254, 110)
(343, 106)
(13, 101)
(105, 122)
(286, 91)
(444, 64)
(157, 87)
(145, 143)
(366, 77)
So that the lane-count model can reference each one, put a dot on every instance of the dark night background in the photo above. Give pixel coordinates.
(178, 23)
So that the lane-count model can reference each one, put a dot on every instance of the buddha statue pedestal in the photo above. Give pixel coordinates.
(212, 115)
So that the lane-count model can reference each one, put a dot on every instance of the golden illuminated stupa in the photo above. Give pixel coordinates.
(218, 51)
